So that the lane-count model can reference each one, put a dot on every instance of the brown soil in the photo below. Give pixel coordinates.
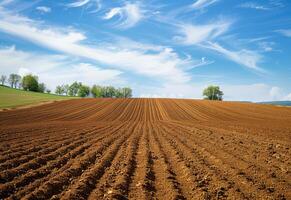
(145, 149)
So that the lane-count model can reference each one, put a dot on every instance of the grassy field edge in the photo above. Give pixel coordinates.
(15, 98)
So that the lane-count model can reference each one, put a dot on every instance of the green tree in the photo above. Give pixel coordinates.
(30, 83)
(83, 91)
(104, 91)
(127, 92)
(96, 91)
(119, 93)
(66, 89)
(3, 79)
(41, 87)
(48, 91)
(74, 88)
(213, 93)
(60, 90)
(14, 79)
(110, 91)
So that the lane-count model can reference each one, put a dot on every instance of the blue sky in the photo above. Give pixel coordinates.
(159, 48)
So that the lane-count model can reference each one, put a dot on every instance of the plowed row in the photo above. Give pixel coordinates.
(146, 149)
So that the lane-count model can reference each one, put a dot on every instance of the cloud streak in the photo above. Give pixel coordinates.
(78, 3)
(194, 34)
(43, 9)
(199, 4)
(285, 32)
(253, 5)
(129, 15)
(204, 36)
(164, 63)
(55, 69)
(243, 57)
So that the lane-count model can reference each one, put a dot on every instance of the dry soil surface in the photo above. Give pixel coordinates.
(145, 149)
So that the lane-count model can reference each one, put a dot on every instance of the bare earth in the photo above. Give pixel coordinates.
(145, 149)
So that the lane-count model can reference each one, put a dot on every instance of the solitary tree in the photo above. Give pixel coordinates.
(30, 83)
(83, 91)
(14, 79)
(3, 79)
(48, 91)
(213, 93)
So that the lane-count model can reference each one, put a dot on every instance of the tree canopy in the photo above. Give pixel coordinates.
(74, 88)
(213, 93)
(3, 79)
(14, 80)
(83, 91)
(110, 92)
(30, 83)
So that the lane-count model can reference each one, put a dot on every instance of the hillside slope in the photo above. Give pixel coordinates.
(12, 98)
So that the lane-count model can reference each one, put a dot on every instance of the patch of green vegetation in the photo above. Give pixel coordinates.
(12, 98)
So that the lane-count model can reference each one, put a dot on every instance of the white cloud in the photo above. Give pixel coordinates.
(204, 35)
(243, 57)
(285, 32)
(43, 9)
(54, 69)
(199, 4)
(165, 63)
(129, 15)
(266, 46)
(194, 34)
(95, 5)
(79, 3)
(253, 5)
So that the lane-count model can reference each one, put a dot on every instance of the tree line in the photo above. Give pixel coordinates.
(31, 83)
(97, 91)
(28, 82)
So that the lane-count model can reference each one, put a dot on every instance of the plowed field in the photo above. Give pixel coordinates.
(145, 149)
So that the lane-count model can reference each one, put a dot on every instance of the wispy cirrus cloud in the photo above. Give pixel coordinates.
(276, 3)
(164, 63)
(129, 14)
(95, 5)
(253, 5)
(285, 32)
(191, 34)
(244, 57)
(199, 4)
(204, 36)
(43, 9)
(55, 68)
(79, 3)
